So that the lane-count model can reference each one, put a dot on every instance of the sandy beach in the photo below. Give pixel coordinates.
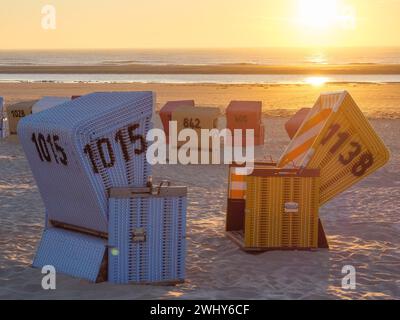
(376, 100)
(362, 224)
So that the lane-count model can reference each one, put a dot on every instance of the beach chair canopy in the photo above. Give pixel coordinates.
(246, 115)
(250, 107)
(168, 108)
(18, 111)
(48, 102)
(336, 138)
(195, 118)
(294, 123)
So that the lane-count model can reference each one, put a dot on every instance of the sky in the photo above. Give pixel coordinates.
(85, 24)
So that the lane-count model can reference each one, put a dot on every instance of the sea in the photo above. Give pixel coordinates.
(206, 57)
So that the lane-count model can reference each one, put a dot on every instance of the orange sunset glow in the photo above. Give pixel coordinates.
(208, 23)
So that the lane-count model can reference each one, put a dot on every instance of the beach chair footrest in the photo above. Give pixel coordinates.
(72, 253)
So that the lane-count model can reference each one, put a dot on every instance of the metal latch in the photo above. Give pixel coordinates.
(157, 190)
(291, 207)
(139, 235)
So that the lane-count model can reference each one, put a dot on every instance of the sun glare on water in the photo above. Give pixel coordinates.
(316, 81)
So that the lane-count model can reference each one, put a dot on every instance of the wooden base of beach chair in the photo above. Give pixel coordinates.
(70, 227)
(235, 226)
(237, 236)
(159, 283)
(235, 215)
(103, 273)
(235, 220)
(322, 240)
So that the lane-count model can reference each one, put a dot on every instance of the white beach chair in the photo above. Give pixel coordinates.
(48, 103)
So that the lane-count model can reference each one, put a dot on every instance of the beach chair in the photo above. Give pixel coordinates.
(16, 112)
(79, 152)
(80, 149)
(167, 110)
(196, 118)
(48, 103)
(2, 134)
(246, 115)
(336, 138)
(294, 123)
(147, 235)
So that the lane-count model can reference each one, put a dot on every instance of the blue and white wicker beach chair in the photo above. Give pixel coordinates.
(147, 230)
(80, 149)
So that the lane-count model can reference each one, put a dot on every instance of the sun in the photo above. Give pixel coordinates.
(318, 14)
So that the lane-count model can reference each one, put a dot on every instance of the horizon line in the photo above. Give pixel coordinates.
(202, 48)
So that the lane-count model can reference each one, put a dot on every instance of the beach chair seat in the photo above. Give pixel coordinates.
(196, 118)
(246, 115)
(336, 138)
(79, 150)
(147, 233)
(294, 123)
(167, 110)
(48, 103)
(16, 112)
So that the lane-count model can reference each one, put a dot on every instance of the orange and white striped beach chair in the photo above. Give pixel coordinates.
(338, 139)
